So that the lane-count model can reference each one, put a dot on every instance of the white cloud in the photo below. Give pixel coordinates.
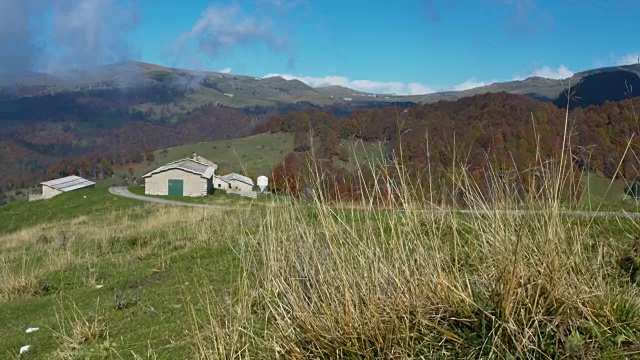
(471, 83)
(561, 72)
(394, 87)
(285, 4)
(226, 70)
(369, 86)
(415, 88)
(45, 35)
(222, 28)
(90, 32)
(628, 59)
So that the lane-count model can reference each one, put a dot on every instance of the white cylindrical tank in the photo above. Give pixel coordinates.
(263, 181)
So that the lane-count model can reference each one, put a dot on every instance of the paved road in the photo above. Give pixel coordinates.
(123, 191)
(616, 214)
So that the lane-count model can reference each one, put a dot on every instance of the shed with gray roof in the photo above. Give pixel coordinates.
(238, 182)
(55, 187)
(186, 177)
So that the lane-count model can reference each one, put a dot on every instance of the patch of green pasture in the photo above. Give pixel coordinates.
(606, 195)
(157, 303)
(361, 153)
(159, 273)
(257, 154)
(85, 202)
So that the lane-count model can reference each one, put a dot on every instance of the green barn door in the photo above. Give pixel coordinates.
(175, 187)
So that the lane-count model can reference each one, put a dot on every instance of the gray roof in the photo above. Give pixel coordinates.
(202, 160)
(68, 183)
(222, 178)
(238, 177)
(188, 165)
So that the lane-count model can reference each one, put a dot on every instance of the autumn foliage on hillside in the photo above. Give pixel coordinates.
(35, 152)
(492, 132)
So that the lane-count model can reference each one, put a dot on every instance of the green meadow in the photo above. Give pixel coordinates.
(109, 277)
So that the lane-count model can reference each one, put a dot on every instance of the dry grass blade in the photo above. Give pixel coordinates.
(77, 330)
(20, 284)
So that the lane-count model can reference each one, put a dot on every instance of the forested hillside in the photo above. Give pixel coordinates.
(503, 131)
(89, 122)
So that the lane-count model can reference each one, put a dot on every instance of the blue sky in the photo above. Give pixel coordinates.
(404, 46)
(386, 47)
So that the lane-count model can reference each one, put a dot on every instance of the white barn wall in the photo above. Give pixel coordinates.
(219, 184)
(193, 185)
(49, 192)
(240, 186)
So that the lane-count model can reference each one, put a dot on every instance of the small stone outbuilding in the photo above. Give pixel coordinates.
(220, 183)
(239, 182)
(186, 177)
(55, 187)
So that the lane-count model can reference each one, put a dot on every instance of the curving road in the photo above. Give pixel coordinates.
(615, 214)
(124, 192)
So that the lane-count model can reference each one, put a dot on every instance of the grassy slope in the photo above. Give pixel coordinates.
(363, 153)
(147, 251)
(257, 154)
(188, 269)
(85, 202)
(606, 195)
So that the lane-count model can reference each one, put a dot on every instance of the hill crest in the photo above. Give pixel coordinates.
(274, 90)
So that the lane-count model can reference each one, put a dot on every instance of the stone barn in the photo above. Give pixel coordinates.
(238, 182)
(55, 187)
(221, 183)
(186, 177)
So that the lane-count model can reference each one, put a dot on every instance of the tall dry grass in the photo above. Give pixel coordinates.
(401, 282)
(77, 331)
(371, 283)
(226, 326)
(19, 282)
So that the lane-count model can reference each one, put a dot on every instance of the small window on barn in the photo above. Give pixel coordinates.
(219, 185)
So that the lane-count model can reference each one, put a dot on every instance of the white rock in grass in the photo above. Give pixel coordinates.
(32, 329)
(24, 349)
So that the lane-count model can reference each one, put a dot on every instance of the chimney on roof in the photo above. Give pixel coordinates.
(194, 156)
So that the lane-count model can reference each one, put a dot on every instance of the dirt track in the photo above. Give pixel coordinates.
(123, 191)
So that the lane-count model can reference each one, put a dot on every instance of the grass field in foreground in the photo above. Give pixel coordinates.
(161, 262)
(308, 280)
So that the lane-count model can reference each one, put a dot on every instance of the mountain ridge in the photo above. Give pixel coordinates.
(274, 90)
(540, 88)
